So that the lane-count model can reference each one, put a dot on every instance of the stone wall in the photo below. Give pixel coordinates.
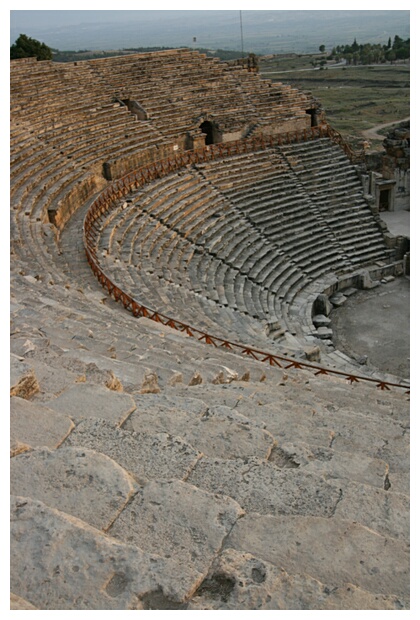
(391, 169)
(396, 164)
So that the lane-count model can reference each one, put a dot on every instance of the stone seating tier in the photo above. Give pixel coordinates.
(248, 459)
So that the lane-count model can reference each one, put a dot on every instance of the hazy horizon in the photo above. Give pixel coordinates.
(264, 31)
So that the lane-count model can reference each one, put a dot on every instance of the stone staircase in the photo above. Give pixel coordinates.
(284, 493)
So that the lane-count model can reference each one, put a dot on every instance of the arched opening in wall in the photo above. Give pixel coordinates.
(208, 129)
(314, 119)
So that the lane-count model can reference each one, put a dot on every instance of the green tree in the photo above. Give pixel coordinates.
(391, 55)
(322, 48)
(397, 42)
(25, 47)
(355, 46)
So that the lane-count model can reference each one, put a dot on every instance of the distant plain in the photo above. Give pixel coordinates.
(354, 98)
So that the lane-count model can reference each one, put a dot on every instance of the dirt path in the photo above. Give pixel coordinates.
(372, 133)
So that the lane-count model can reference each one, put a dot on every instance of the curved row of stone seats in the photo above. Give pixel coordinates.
(130, 237)
(180, 73)
(136, 250)
(153, 284)
(348, 226)
(335, 189)
(222, 280)
(234, 225)
(115, 135)
(53, 170)
(105, 127)
(275, 204)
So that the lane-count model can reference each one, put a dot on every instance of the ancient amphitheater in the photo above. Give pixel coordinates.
(183, 433)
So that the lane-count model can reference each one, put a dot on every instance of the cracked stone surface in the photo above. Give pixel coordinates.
(59, 562)
(85, 401)
(215, 432)
(81, 482)
(386, 513)
(331, 550)
(145, 456)
(183, 524)
(264, 488)
(33, 425)
(241, 581)
(339, 430)
(331, 464)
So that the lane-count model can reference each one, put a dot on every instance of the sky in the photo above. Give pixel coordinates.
(265, 31)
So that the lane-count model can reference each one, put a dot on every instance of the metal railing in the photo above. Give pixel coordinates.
(107, 200)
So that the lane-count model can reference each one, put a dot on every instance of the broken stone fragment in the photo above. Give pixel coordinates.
(176, 378)
(313, 354)
(23, 382)
(349, 291)
(150, 384)
(324, 333)
(196, 379)
(320, 320)
(113, 383)
(231, 375)
(338, 299)
(219, 379)
(322, 305)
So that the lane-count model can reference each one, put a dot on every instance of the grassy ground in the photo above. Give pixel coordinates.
(355, 98)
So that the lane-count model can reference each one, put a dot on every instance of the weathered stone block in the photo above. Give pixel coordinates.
(59, 562)
(144, 455)
(261, 487)
(334, 551)
(86, 401)
(32, 425)
(83, 483)
(241, 581)
(214, 432)
(181, 523)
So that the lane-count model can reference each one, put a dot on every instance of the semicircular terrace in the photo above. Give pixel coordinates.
(118, 420)
(239, 240)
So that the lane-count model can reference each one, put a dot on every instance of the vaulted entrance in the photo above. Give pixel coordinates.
(208, 129)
